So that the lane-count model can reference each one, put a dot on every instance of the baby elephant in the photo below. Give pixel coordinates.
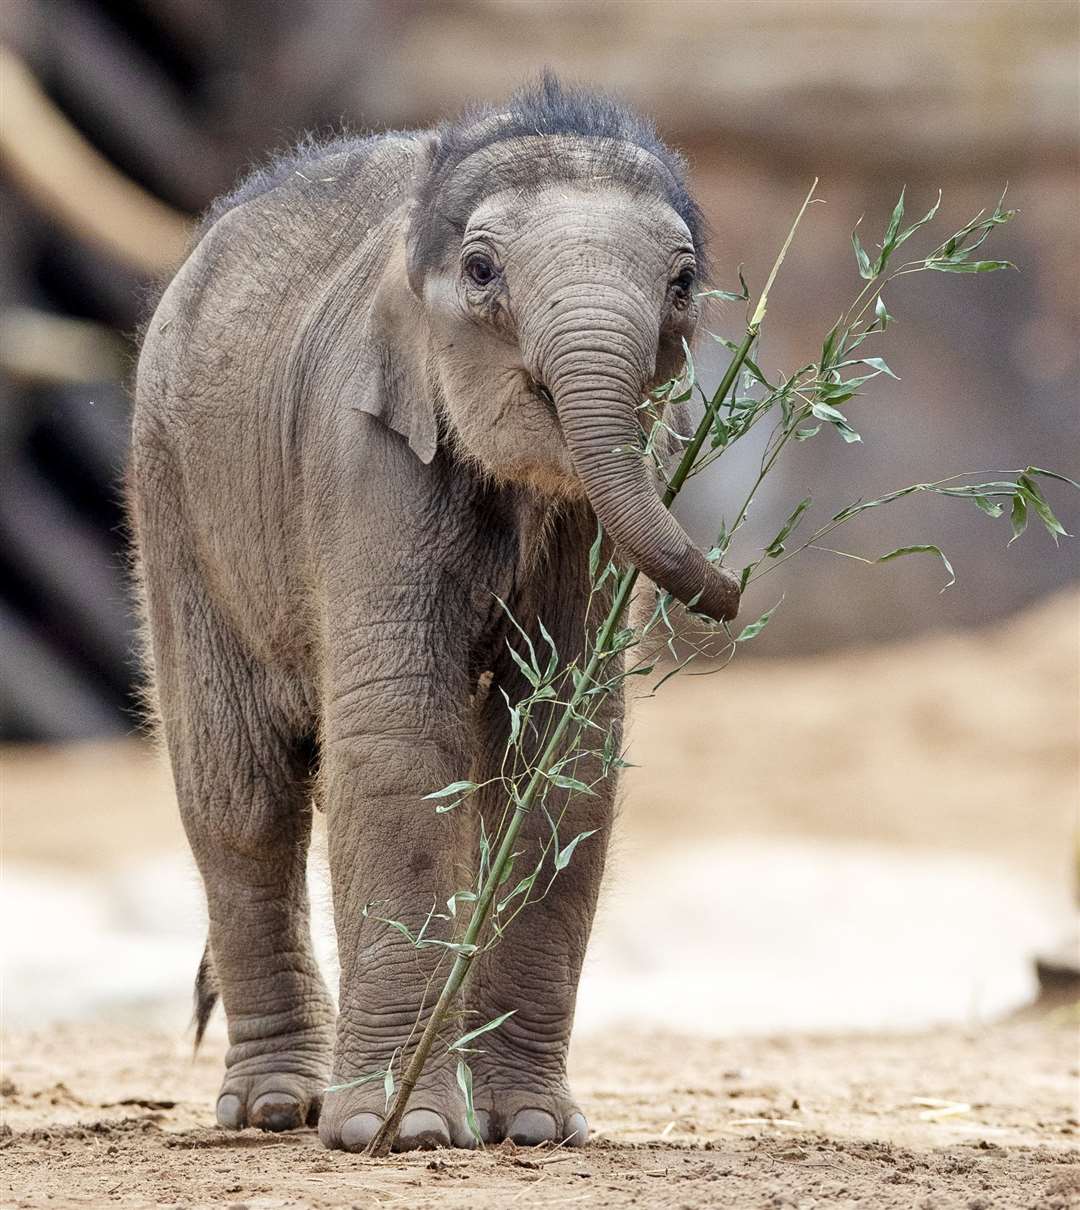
(397, 379)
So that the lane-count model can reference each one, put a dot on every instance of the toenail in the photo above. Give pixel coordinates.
(422, 1130)
(276, 1111)
(532, 1126)
(230, 1112)
(359, 1130)
(577, 1130)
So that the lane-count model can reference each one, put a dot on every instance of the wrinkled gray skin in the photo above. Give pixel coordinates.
(342, 452)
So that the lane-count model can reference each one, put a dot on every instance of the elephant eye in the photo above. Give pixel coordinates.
(480, 269)
(683, 283)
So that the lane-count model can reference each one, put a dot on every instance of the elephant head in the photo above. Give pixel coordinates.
(552, 251)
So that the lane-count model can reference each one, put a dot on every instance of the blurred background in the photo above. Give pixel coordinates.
(878, 803)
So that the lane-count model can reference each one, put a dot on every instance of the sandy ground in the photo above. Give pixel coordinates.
(103, 1117)
(955, 748)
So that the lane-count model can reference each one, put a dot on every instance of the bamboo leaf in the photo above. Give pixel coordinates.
(465, 1083)
(920, 549)
(571, 783)
(562, 858)
(1035, 498)
(515, 718)
(455, 787)
(875, 363)
(465, 1039)
(522, 888)
(954, 265)
(532, 675)
(755, 628)
(594, 552)
(828, 348)
(910, 231)
(881, 313)
(891, 234)
(1018, 517)
(988, 506)
(838, 420)
(866, 269)
(388, 1080)
(1038, 470)
(365, 1079)
(776, 546)
(463, 896)
(553, 662)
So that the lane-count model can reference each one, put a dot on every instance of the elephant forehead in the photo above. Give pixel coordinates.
(531, 159)
(536, 160)
(590, 209)
(525, 163)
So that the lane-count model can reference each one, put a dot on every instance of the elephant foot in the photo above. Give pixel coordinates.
(530, 1117)
(277, 1101)
(277, 1089)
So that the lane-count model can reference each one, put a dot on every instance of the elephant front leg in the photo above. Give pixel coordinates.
(521, 1085)
(392, 858)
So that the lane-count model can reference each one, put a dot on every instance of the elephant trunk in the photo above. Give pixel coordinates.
(597, 393)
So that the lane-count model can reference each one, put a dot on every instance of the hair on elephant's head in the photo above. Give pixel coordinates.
(554, 250)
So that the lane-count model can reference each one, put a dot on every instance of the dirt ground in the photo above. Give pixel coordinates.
(962, 744)
(979, 1121)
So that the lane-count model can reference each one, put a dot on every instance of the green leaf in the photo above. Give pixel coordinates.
(1038, 502)
(562, 858)
(881, 313)
(401, 928)
(910, 231)
(515, 719)
(464, 896)
(875, 363)
(570, 783)
(1038, 470)
(1018, 517)
(532, 675)
(891, 231)
(553, 662)
(366, 1079)
(969, 266)
(806, 434)
(455, 787)
(988, 506)
(921, 549)
(828, 348)
(465, 1083)
(726, 295)
(837, 419)
(755, 628)
(465, 1039)
(522, 888)
(865, 268)
(776, 546)
(388, 1080)
(690, 373)
(594, 552)
(756, 373)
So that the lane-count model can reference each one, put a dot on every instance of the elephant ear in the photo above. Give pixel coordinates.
(394, 381)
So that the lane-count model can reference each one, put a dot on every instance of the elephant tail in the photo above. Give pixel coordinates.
(206, 993)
